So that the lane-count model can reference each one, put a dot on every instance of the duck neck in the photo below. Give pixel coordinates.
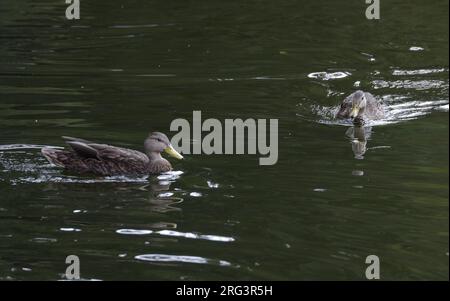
(154, 156)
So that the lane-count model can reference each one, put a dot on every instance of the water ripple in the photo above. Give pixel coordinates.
(170, 175)
(172, 233)
(418, 71)
(9, 147)
(196, 236)
(68, 179)
(70, 229)
(416, 48)
(134, 232)
(181, 258)
(328, 76)
(410, 84)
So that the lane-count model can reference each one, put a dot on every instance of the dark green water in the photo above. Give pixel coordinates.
(129, 67)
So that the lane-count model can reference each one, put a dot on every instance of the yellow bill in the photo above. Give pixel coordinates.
(172, 152)
(354, 112)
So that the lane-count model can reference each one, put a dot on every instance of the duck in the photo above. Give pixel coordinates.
(361, 107)
(85, 157)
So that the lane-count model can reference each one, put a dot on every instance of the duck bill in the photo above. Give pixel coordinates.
(354, 112)
(172, 152)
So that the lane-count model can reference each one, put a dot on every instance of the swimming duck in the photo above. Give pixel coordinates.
(361, 106)
(106, 160)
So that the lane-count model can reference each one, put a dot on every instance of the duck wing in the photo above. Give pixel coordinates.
(101, 159)
(84, 150)
(107, 152)
(104, 152)
(74, 139)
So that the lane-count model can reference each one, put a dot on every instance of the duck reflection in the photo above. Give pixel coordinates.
(359, 135)
(160, 197)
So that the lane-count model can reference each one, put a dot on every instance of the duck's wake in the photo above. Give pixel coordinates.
(396, 111)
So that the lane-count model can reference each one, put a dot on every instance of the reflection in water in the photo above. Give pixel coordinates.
(164, 205)
(160, 198)
(358, 137)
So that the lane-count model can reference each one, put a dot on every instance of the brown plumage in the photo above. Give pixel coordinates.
(361, 106)
(107, 160)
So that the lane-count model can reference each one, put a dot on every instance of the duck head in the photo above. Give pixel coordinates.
(359, 103)
(156, 143)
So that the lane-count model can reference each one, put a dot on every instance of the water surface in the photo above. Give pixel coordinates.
(127, 68)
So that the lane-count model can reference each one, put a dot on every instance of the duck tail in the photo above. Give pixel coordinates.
(52, 155)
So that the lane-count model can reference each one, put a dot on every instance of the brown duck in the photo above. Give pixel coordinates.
(361, 106)
(107, 160)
